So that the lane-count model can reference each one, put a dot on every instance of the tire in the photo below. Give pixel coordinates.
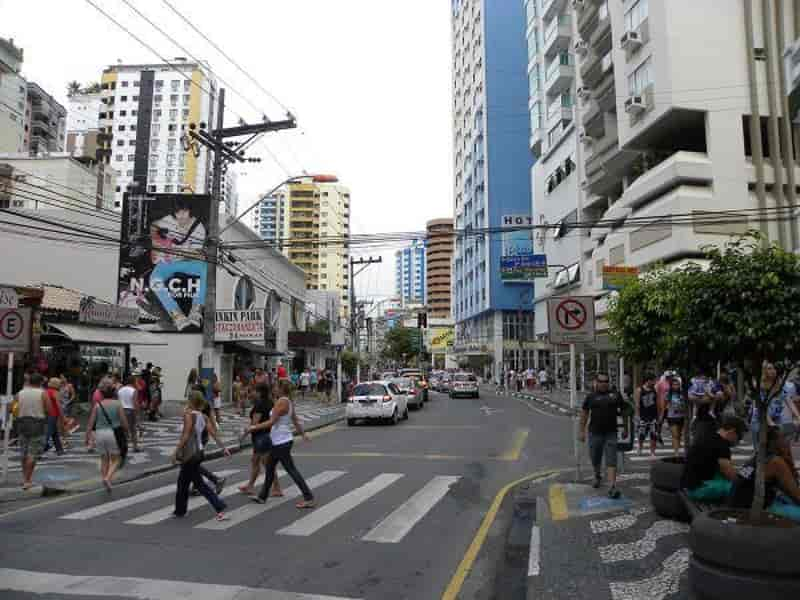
(351, 422)
(710, 582)
(750, 549)
(405, 414)
(394, 419)
(477, 396)
(666, 473)
(668, 504)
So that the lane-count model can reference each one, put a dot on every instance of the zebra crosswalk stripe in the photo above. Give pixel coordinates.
(162, 514)
(394, 527)
(248, 511)
(335, 509)
(104, 509)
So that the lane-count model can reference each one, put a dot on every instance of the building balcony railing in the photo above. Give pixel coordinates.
(560, 75)
(558, 36)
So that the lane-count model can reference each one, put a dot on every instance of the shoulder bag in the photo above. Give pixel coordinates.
(119, 434)
(190, 451)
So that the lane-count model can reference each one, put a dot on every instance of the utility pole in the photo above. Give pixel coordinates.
(224, 152)
(353, 321)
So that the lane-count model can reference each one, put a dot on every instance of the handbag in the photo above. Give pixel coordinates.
(119, 434)
(190, 451)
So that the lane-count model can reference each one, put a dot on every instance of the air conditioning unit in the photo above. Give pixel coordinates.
(631, 40)
(585, 138)
(635, 105)
(584, 93)
(581, 47)
(578, 4)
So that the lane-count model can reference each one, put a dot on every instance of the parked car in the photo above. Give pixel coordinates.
(443, 385)
(413, 393)
(388, 375)
(380, 400)
(464, 384)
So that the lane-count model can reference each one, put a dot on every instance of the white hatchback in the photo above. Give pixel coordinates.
(380, 400)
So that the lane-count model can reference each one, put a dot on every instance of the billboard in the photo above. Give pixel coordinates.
(615, 277)
(518, 262)
(232, 325)
(162, 268)
(441, 339)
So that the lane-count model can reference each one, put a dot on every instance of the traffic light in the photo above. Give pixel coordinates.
(422, 320)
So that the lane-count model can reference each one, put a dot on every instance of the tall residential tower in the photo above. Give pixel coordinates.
(409, 265)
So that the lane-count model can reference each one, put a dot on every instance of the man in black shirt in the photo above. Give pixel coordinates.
(600, 410)
(709, 470)
(647, 413)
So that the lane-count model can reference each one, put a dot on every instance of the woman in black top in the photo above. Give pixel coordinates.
(261, 441)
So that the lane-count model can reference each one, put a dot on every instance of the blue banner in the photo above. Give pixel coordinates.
(523, 267)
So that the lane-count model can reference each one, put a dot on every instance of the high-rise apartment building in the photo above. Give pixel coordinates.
(146, 109)
(45, 122)
(13, 94)
(83, 125)
(230, 192)
(491, 132)
(309, 221)
(410, 273)
(438, 262)
(680, 112)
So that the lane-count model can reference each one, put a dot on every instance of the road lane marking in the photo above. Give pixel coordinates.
(108, 507)
(162, 514)
(533, 556)
(457, 580)
(333, 510)
(517, 444)
(250, 510)
(541, 412)
(137, 588)
(644, 546)
(394, 527)
(658, 587)
(558, 502)
(618, 523)
(435, 427)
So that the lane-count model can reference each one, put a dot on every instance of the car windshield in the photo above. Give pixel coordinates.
(404, 383)
(369, 389)
(465, 377)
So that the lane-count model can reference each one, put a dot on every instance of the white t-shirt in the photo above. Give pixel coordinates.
(542, 375)
(126, 396)
(304, 379)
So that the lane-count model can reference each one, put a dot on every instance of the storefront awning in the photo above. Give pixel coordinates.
(112, 336)
(241, 346)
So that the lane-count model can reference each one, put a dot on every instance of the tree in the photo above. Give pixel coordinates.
(401, 344)
(92, 88)
(73, 87)
(349, 362)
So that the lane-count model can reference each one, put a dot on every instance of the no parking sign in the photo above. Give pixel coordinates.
(15, 329)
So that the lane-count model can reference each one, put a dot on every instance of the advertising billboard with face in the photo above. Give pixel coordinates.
(162, 267)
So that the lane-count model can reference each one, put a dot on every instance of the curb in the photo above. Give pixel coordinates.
(44, 491)
(543, 401)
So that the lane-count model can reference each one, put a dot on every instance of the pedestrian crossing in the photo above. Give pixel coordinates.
(348, 503)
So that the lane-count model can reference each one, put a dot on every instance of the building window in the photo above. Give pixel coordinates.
(173, 99)
(133, 127)
(175, 85)
(636, 14)
(152, 174)
(121, 128)
(170, 173)
(640, 78)
(186, 84)
(157, 98)
(123, 98)
(134, 113)
(119, 157)
(534, 80)
(171, 145)
(154, 158)
(151, 189)
(181, 174)
(123, 113)
(156, 114)
(124, 83)
(120, 142)
(186, 100)
(131, 157)
(168, 188)
(154, 143)
(185, 114)
(135, 98)
(129, 173)
(173, 114)
(155, 128)
(536, 116)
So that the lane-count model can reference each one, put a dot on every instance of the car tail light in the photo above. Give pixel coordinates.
(387, 398)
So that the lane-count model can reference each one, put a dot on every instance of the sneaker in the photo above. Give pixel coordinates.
(598, 481)
(222, 517)
(613, 493)
(220, 484)
(177, 516)
(194, 492)
(258, 499)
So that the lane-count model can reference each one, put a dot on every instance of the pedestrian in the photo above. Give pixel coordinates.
(600, 411)
(543, 379)
(709, 472)
(191, 381)
(216, 390)
(127, 398)
(32, 410)
(238, 395)
(313, 380)
(677, 407)
(212, 431)
(106, 416)
(261, 441)
(282, 416)
(781, 404)
(155, 396)
(648, 414)
(703, 393)
(189, 453)
(54, 417)
(304, 381)
(280, 371)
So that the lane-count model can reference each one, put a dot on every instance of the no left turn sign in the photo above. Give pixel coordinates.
(571, 320)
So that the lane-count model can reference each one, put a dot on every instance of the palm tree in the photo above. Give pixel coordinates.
(73, 87)
(92, 88)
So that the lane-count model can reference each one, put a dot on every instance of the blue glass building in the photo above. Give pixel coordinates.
(410, 274)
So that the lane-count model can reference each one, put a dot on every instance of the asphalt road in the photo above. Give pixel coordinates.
(398, 508)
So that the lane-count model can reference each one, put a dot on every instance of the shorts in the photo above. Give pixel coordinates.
(788, 430)
(130, 414)
(647, 429)
(106, 442)
(785, 507)
(676, 421)
(603, 444)
(31, 434)
(712, 490)
(218, 402)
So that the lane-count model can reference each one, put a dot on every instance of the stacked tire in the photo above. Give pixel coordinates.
(732, 558)
(665, 485)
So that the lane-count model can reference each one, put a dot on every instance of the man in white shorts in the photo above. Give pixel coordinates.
(127, 396)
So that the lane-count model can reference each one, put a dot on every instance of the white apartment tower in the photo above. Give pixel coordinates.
(13, 93)
(146, 109)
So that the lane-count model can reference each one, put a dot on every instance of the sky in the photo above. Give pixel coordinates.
(368, 80)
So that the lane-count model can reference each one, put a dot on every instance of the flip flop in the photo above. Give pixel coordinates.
(305, 504)
(276, 494)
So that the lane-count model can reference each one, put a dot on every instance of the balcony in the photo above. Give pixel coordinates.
(558, 112)
(551, 8)
(594, 69)
(600, 39)
(587, 19)
(537, 136)
(560, 75)
(558, 36)
(593, 120)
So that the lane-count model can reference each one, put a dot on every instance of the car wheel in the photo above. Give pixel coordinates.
(395, 419)
(405, 414)
(351, 422)
(477, 396)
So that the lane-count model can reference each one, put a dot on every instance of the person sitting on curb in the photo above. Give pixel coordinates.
(781, 492)
(709, 472)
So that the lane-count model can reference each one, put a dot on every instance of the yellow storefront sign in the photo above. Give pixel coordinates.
(442, 338)
(615, 277)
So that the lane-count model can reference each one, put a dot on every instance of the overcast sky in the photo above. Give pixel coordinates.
(369, 82)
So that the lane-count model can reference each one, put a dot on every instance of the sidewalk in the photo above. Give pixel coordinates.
(556, 399)
(78, 470)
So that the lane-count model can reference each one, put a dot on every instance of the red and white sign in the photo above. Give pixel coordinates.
(15, 329)
(571, 320)
(241, 325)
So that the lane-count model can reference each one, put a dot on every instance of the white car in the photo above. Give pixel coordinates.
(380, 400)
(464, 384)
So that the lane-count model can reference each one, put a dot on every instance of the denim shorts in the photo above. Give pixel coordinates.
(603, 444)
